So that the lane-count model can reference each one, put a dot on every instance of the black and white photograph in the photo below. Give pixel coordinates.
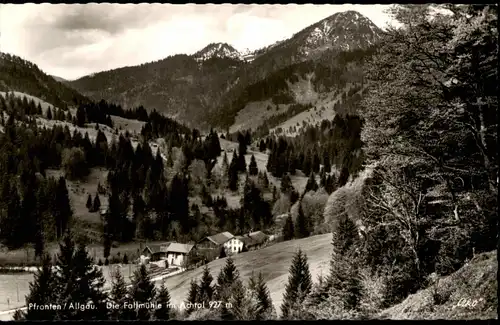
(248, 162)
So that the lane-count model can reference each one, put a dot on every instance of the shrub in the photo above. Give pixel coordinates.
(74, 163)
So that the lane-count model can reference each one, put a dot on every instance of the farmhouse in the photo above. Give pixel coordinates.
(155, 252)
(233, 246)
(211, 246)
(176, 253)
(253, 240)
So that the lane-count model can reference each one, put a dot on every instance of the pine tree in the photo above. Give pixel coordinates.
(225, 162)
(89, 203)
(163, 299)
(206, 289)
(266, 180)
(239, 303)
(120, 296)
(264, 304)
(39, 238)
(64, 264)
(311, 183)
(89, 283)
(233, 173)
(262, 146)
(142, 291)
(228, 274)
(315, 163)
(252, 167)
(42, 292)
(49, 113)
(344, 275)
(327, 166)
(97, 203)
(79, 282)
(288, 229)
(193, 295)
(307, 164)
(62, 211)
(241, 163)
(298, 287)
(107, 241)
(302, 226)
(19, 315)
(344, 236)
(286, 184)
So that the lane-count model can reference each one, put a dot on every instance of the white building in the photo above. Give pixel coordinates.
(233, 246)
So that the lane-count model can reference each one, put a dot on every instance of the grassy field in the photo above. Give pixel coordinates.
(15, 287)
(254, 114)
(273, 261)
(79, 191)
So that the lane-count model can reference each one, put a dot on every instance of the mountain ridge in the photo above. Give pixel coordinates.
(208, 88)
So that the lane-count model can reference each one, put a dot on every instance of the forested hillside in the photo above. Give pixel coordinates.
(23, 76)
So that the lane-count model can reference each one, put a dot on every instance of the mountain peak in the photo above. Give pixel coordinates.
(345, 30)
(219, 50)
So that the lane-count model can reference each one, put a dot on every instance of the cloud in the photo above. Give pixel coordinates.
(74, 40)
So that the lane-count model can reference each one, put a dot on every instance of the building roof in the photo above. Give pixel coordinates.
(157, 248)
(179, 248)
(253, 238)
(220, 238)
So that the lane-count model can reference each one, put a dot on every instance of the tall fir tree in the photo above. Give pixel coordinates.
(311, 183)
(233, 173)
(225, 286)
(89, 203)
(96, 205)
(206, 288)
(142, 291)
(344, 277)
(286, 184)
(163, 300)
(298, 287)
(288, 229)
(39, 239)
(252, 167)
(193, 296)
(302, 224)
(263, 303)
(88, 286)
(62, 207)
(239, 303)
(42, 292)
(119, 295)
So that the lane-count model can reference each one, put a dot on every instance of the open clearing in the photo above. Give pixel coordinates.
(299, 180)
(273, 261)
(16, 285)
(79, 191)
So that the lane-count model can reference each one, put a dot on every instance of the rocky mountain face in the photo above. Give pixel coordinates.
(209, 87)
(217, 50)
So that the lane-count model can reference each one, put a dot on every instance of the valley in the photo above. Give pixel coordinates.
(249, 174)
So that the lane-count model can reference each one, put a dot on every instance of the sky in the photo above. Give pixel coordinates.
(74, 40)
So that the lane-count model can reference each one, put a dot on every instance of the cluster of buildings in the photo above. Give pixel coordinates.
(171, 254)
